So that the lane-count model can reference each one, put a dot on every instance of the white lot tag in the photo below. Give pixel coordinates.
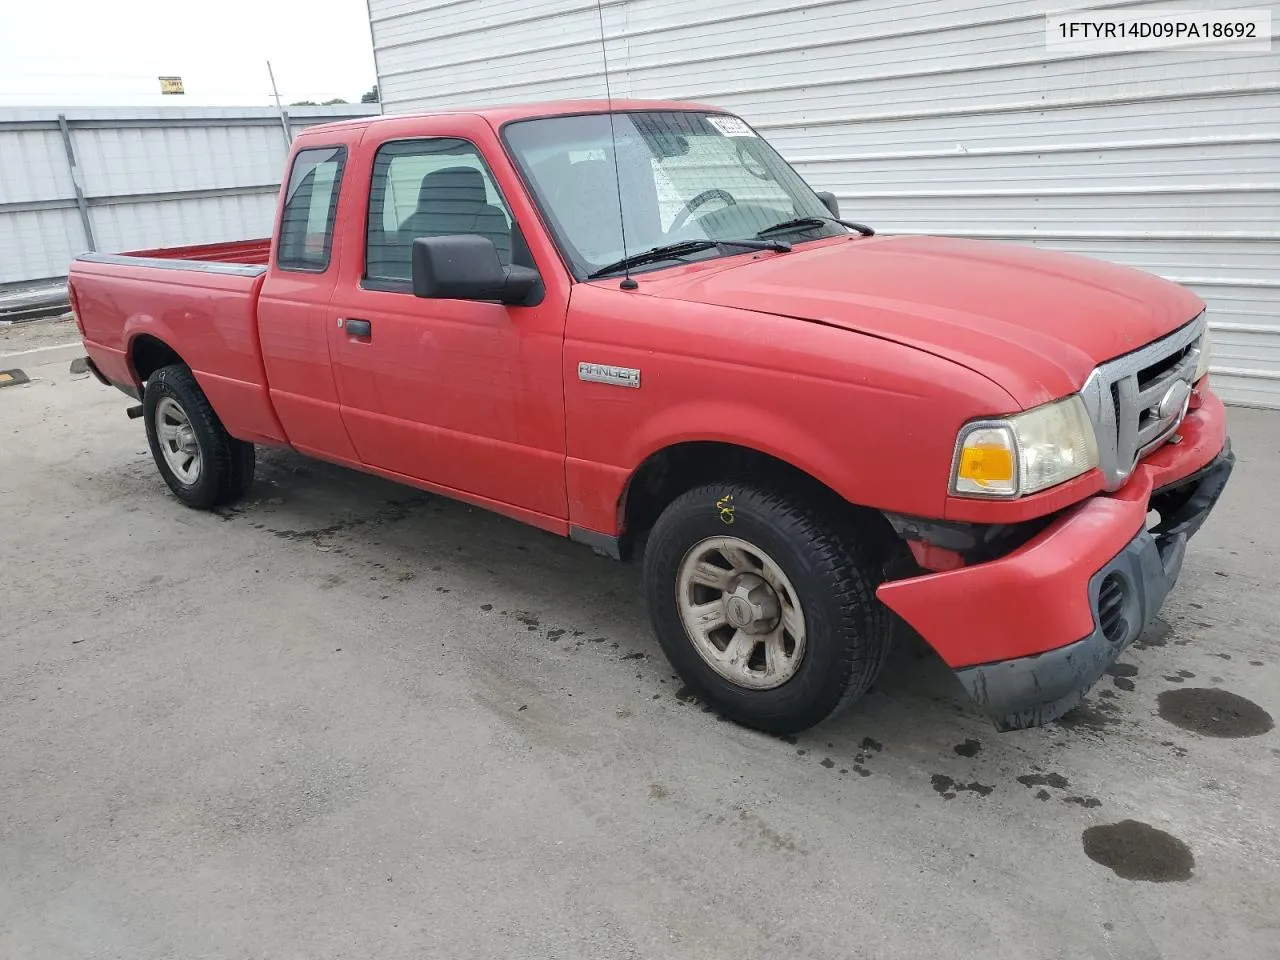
(731, 126)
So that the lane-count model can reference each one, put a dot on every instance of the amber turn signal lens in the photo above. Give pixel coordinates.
(985, 465)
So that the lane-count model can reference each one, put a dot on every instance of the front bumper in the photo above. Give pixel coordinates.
(1124, 596)
(1029, 634)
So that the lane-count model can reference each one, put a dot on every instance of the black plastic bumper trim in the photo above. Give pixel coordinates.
(97, 374)
(1030, 691)
(601, 543)
(128, 389)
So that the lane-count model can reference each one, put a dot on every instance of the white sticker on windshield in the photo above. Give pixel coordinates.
(731, 126)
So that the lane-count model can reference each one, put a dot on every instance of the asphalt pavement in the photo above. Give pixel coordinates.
(349, 719)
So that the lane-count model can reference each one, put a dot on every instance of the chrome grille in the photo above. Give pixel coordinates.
(1135, 401)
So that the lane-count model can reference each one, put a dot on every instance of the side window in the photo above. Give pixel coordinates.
(430, 188)
(311, 201)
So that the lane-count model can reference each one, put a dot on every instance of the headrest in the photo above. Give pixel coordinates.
(452, 184)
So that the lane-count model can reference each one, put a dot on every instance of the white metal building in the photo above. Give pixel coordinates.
(935, 116)
(128, 178)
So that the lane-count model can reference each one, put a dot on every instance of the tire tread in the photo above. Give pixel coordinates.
(863, 624)
(230, 462)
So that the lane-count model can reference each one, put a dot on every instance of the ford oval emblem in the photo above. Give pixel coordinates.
(1174, 402)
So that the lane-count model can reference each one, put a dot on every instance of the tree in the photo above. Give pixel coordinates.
(335, 100)
(304, 103)
(371, 96)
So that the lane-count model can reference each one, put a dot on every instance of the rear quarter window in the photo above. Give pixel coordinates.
(310, 205)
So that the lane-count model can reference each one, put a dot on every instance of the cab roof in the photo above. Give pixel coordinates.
(498, 115)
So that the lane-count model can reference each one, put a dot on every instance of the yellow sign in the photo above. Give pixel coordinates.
(171, 85)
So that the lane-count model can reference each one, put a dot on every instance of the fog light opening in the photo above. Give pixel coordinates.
(1113, 598)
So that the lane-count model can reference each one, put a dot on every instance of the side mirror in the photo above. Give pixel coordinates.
(466, 267)
(830, 202)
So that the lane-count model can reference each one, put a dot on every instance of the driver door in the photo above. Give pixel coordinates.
(462, 395)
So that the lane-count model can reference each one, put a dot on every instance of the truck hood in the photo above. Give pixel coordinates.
(1033, 321)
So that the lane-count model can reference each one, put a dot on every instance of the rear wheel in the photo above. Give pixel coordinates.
(763, 606)
(203, 465)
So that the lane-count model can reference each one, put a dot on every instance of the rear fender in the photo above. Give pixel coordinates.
(244, 407)
(140, 325)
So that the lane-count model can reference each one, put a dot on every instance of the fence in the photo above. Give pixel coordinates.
(124, 178)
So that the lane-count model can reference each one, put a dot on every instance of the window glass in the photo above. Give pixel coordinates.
(716, 163)
(680, 175)
(430, 188)
(311, 201)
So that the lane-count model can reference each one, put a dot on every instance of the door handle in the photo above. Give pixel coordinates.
(358, 328)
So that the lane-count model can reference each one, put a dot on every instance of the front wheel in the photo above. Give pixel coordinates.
(764, 605)
(203, 465)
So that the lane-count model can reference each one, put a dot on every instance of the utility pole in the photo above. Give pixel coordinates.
(284, 117)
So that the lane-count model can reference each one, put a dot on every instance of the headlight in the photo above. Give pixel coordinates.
(1026, 453)
(1202, 365)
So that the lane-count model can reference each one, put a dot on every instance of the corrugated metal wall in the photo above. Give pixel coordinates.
(940, 116)
(149, 177)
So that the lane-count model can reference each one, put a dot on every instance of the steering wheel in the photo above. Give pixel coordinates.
(750, 162)
(690, 206)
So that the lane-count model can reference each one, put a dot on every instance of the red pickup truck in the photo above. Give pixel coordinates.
(635, 325)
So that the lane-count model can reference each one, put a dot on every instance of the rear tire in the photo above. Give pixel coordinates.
(765, 605)
(203, 465)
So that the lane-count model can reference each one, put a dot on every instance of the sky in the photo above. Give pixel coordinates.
(111, 52)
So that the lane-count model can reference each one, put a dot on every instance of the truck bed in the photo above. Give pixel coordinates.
(210, 292)
(253, 252)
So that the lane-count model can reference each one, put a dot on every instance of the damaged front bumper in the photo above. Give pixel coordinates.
(1028, 634)
(1124, 597)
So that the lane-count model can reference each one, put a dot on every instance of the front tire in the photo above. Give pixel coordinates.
(203, 465)
(765, 605)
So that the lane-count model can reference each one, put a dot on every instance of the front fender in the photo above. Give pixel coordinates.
(808, 446)
(871, 419)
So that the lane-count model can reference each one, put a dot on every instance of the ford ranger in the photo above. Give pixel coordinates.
(634, 324)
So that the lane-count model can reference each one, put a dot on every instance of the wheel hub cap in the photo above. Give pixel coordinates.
(177, 440)
(741, 613)
(752, 605)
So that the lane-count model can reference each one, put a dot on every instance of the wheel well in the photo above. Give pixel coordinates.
(148, 354)
(677, 469)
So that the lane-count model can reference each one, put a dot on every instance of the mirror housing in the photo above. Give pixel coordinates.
(466, 267)
(830, 202)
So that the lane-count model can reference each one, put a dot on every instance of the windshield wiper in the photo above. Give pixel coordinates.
(800, 223)
(671, 251)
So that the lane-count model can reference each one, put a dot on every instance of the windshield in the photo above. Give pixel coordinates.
(683, 176)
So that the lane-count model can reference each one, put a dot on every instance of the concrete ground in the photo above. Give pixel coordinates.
(19, 339)
(347, 719)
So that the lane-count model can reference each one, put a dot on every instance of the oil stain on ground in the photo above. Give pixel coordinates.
(687, 694)
(1138, 851)
(1213, 712)
(393, 511)
(1122, 675)
(948, 788)
(1087, 802)
(1096, 716)
(1055, 780)
(1156, 635)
